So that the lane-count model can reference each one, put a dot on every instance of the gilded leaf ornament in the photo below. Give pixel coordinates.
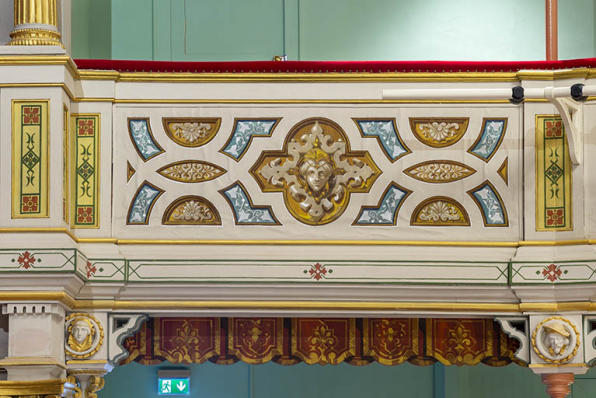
(439, 171)
(316, 171)
(440, 211)
(439, 132)
(191, 210)
(191, 171)
(191, 132)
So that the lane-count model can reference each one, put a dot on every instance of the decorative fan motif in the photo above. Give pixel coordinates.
(440, 211)
(191, 210)
(439, 132)
(191, 132)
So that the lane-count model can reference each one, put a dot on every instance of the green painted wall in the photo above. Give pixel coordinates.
(225, 30)
(273, 381)
(91, 29)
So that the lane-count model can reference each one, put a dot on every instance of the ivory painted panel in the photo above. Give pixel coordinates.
(253, 143)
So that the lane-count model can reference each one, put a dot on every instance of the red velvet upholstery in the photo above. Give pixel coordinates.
(329, 66)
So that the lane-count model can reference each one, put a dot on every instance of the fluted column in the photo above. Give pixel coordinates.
(36, 23)
(557, 384)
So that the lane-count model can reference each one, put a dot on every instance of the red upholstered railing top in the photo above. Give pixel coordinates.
(330, 66)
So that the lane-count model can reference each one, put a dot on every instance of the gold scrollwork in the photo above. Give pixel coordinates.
(96, 383)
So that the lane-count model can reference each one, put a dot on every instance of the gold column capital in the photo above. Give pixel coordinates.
(36, 23)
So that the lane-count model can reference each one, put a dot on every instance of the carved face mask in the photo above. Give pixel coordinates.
(556, 342)
(80, 331)
(318, 176)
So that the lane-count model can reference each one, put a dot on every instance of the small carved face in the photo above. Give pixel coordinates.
(80, 331)
(317, 176)
(556, 342)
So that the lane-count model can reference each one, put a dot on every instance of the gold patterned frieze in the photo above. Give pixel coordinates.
(316, 170)
(439, 132)
(439, 171)
(191, 210)
(191, 171)
(191, 132)
(440, 211)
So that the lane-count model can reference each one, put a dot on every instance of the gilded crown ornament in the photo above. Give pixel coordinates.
(316, 171)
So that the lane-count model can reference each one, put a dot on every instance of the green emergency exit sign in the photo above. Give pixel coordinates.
(173, 386)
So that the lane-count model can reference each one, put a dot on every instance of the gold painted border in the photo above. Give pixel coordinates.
(80, 304)
(415, 121)
(380, 202)
(238, 119)
(134, 144)
(66, 164)
(451, 162)
(44, 178)
(211, 120)
(96, 166)
(392, 120)
(464, 223)
(498, 195)
(167, 166)
(484, 121)
(172, 206)
(303, 242)
(160, 192)
(252, 205)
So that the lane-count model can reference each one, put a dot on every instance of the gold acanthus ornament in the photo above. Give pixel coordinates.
(317, 171)
(191, 171)
(439, 171)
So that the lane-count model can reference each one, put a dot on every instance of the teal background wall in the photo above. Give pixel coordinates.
(343, 381)
(225, 30)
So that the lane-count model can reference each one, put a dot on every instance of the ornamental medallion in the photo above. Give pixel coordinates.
(556, 340)
(316, 171)
(84, 335)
